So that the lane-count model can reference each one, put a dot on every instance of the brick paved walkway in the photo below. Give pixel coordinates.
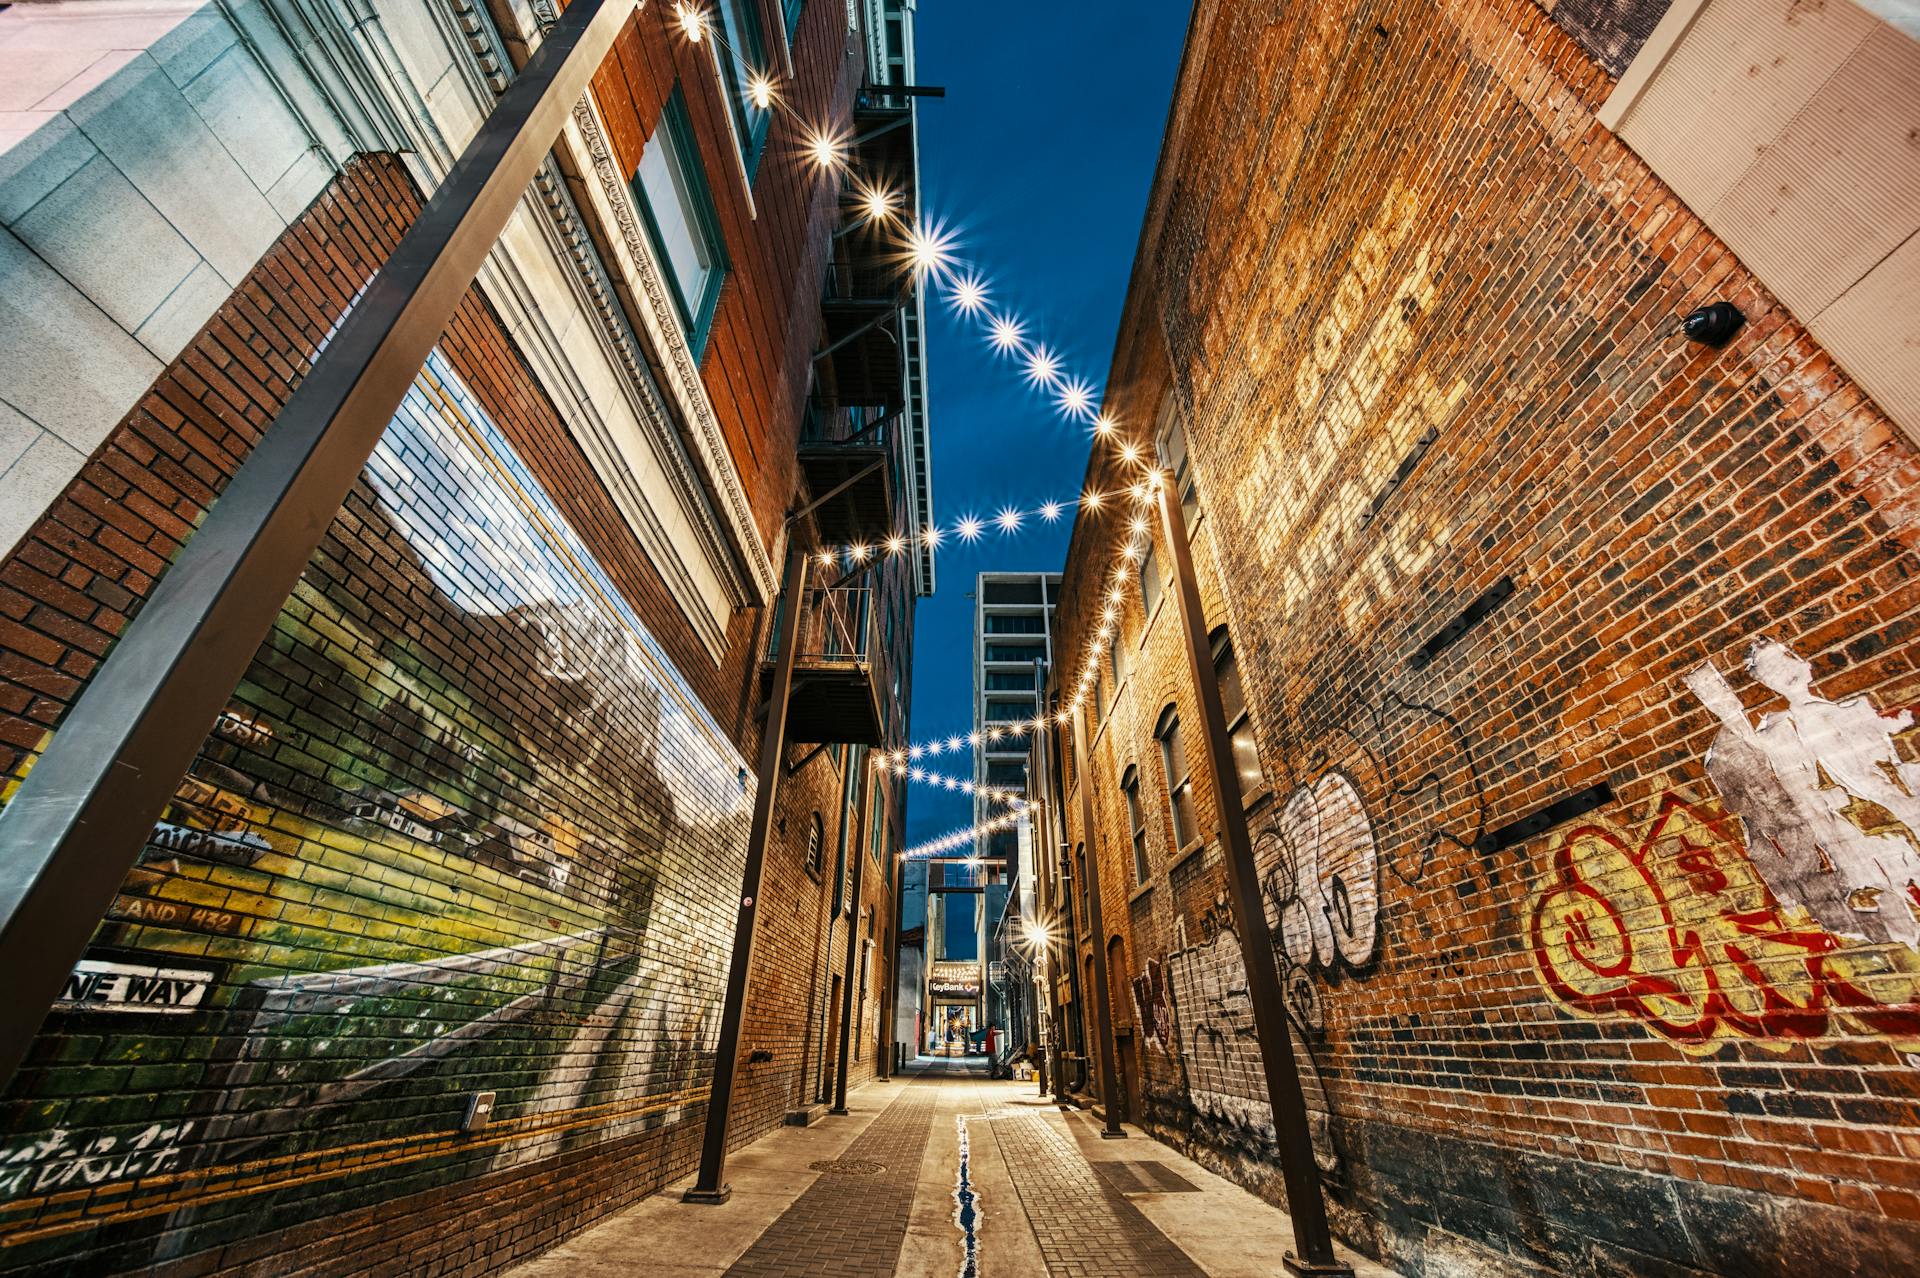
(1085, 1227)
(851, 1222)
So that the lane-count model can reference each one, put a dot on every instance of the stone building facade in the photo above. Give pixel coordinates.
(468, 838)
(1483, 536)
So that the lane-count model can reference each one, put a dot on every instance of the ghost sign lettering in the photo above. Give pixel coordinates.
(97, 986)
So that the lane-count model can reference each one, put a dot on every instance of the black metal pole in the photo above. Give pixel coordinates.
(710, 1186)
(77, 823)
(1305, 1206)
(1102, 1009)
(1071, 942)
(859, 854)
(893, 964)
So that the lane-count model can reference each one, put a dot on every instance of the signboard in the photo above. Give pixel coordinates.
(952, 978)
(99, 986)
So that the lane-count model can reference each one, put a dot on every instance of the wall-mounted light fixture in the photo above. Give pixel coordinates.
(1714, 323)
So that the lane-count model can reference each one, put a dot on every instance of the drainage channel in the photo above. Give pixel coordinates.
(965, 1216)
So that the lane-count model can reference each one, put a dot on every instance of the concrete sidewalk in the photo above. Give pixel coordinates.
(874, 1194)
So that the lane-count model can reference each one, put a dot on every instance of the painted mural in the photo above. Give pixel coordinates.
(458, 832)
(1788, 915)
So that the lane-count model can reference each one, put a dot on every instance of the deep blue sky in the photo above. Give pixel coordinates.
(1039, 158)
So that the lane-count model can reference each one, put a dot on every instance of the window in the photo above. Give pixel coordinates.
(1173, 759)
(793, 8)
(1149, 581)
(816, 841)
(671, 189)
(1012, 652)
(1016, 624)
(1172, 444)
(877, 824)
(1117, 658)
(744, 57)
(1246, 753)
(1010, 681)
(1130, 786)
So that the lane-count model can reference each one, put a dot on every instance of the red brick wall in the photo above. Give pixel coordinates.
(1657, 1037)
(438, 752)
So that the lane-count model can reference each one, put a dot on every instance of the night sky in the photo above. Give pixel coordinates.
(1039, 159)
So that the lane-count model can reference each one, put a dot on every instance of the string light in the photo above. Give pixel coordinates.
(969, 295)
(693, 23)
(962, 838)
(878, 202)
(1043, 366)
(1008, 334)
(826, 150)
(1076, 398)
(760, 90)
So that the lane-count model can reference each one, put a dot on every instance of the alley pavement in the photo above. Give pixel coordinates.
(944, 1172)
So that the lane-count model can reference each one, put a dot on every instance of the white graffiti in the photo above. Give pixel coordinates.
(1319, 872)
(60, 1159)
(1832, 812)
(1214, 1019)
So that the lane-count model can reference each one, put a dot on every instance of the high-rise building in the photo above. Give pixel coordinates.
(1012, 646)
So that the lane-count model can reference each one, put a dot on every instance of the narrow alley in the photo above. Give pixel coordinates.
(876, 1195)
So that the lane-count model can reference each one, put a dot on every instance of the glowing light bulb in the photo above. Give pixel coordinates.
(1007, 333)
(1076, 398)
(860, 554)
(896, 544)
(932, 536)
(1129, 453)
(877, 202)
(1116, 594)
(973, 738)
(760, 90)
(1050, 511)
(968, 528)
(1043, 366)
(955, 742)
(1139, 527)
(969, 295)
(1104, 424)
(826, 559)
(1130, 551)
(1008, 519)
(929, 249)
(1092, 500)
(825, 150)
(693, 23)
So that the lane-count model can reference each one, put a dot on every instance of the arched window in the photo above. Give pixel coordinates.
(1173, 759)
(816, 843)
(1246, 752)
(1136, 822)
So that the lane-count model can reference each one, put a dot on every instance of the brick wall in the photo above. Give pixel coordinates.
(472, 822)
(1671, 1034)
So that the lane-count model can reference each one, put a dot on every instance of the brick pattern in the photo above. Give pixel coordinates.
(1496, 273)
(1086, 1228)
(472, 821)
(851, 1224)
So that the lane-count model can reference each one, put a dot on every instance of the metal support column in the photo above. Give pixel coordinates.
(892, 996)
(859, 854)
(1071, 942)
(1102, 1003)
(78, 822)
(710, 1186)
(1305, 1205)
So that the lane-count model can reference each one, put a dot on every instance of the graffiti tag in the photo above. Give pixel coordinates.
(1677, 930)
(60, 1159)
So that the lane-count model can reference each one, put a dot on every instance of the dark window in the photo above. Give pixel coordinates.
(816, 844)
(1246, 752)
(1080, 869)
(1012, 652)
(1173, 455)
(1010, 592)
(1013, 774)
(1009, 711)
(1149, 581)
(1173, 760)
(1130, 786)
(1015, 624)
(1009, 681)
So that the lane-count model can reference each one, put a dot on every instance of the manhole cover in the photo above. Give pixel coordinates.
(847, 1166)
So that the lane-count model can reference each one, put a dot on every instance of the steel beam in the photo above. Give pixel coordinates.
(1305, 1206)
(891, 999)
(1102, 997)
(78, 822)
(711, 1185)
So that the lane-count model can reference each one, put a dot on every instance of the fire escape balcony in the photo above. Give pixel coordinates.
(835, 698)
(851, 473)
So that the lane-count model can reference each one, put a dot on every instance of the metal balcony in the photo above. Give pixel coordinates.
(851, 477)
(836, 684)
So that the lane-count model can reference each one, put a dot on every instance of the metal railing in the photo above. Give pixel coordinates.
(841, 624)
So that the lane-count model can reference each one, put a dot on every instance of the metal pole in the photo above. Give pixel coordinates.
(710, 1186)
(1102, 1009)
(1305, 1205)
(79, 820)
(1066, 880)
(859, 854)
(893, 965)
